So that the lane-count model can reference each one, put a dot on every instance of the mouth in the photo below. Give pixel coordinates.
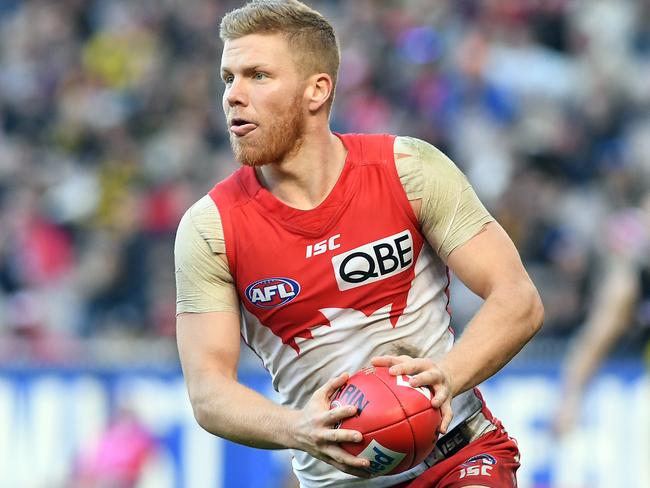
(240, 127)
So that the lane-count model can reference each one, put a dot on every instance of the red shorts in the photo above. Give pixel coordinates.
(491, 460)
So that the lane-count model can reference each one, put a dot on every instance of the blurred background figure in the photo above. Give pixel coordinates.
(118, 457)
(620, 304)
(110, 127)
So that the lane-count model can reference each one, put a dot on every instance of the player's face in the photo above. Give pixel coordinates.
(263, 98)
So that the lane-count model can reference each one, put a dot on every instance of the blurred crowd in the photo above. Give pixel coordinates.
(111, 126)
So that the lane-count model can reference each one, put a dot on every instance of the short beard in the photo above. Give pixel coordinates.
(284, 138)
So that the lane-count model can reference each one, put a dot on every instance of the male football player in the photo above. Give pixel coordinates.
(330, 252)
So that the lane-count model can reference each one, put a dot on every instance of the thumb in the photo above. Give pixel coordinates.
(329, 388)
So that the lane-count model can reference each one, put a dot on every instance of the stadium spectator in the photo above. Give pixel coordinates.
(621, 304)
(118, 457)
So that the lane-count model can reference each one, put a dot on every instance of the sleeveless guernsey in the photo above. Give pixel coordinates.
(323, 291)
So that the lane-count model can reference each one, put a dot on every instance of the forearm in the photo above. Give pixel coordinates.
(509, 317)
(230, 410)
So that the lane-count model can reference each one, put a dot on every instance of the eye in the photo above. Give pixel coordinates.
(228, 79)
(260, 76)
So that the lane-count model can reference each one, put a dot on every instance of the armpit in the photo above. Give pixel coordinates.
(400, 348)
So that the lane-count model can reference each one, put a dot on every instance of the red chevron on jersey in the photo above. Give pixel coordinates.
(354, 251)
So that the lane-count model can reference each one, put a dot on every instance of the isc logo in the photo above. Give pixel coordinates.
(272, 292)
(375, 261)
(476, 471)
(323, 246)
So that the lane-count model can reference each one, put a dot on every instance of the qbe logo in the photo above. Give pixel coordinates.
(374, 261)
(272, 292)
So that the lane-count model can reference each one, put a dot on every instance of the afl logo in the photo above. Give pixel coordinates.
(272, 292)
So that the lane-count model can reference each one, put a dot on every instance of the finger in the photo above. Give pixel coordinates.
(342, 435)
(447, 415)
(441, 394)
(386, 361)
(410, 366)
(427, 378)
(442, 400)
(337, 414)
(330, 387)
(341, 456)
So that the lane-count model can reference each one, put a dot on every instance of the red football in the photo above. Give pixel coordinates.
(398, 423)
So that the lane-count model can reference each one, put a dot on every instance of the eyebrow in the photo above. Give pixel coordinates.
(246, 69)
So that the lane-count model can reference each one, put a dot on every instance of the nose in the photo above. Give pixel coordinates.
(235, 94)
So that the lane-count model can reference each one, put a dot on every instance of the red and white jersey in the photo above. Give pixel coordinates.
(323, 291)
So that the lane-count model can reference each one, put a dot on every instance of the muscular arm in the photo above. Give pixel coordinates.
(208, 345)
(477, 249)
(460, 229)
(208, 338)
(512, 312)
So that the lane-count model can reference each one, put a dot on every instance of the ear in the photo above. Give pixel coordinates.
(319, 90)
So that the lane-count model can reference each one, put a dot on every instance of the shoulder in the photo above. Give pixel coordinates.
(203, 221)
(430, 158)
(201, 212)
(418, 162)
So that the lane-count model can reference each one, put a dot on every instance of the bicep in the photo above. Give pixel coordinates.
(486, 260)
(208, 343)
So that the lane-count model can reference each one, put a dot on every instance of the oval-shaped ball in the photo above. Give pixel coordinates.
(398, 423)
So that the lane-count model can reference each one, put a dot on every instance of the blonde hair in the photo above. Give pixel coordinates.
(306, 30)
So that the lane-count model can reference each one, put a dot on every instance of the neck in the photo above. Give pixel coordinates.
(305, 177)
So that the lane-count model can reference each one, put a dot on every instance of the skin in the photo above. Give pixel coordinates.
(263, 85)
(610, 317)
(300, 170)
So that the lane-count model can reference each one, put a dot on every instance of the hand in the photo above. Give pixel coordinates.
(425, 372)
(317, 435)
